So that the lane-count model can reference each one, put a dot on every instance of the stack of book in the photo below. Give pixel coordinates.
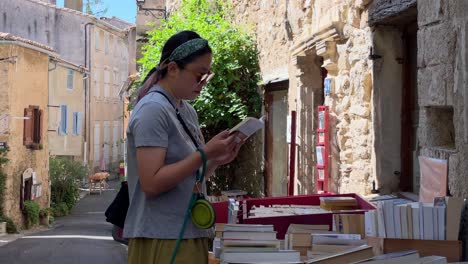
(299, 237)
(396, 219)
(338, 248)
(349, 224)
(332, 203)
(253, 244)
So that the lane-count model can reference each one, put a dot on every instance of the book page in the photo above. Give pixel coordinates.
(248, 126)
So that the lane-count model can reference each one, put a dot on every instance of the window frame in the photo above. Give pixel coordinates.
(70, 79)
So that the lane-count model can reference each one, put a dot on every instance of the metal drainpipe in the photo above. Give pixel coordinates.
(87, 90)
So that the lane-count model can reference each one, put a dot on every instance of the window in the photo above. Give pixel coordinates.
(116, 47)
(97, 142)
(106, 83)
(96, 39)
(97, 84)
(124, 52)
(115, 138)
(116, 77)
(106, 43)
(63, 130)
(32, 130)
(124, 76)
(77, 123)
(106, 142)
(70, 79)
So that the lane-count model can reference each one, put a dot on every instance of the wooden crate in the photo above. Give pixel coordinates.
(452, 250)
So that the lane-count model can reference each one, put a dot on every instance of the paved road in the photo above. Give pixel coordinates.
(83, 237)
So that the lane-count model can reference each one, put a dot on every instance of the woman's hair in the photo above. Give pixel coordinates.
(160, 71)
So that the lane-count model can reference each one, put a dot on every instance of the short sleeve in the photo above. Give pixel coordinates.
(150, 126)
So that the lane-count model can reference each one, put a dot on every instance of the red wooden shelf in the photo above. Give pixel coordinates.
(322, 148)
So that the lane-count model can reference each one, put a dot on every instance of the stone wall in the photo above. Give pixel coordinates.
(25, 84)
(305, 36)
(340, 35)
(276, 24)
(443, 86)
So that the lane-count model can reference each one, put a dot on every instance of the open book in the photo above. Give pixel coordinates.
(248, 127)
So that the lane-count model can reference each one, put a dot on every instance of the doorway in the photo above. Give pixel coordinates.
(409, 178)
(275, 139)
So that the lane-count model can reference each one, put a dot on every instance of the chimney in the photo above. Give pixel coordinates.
(74, 4)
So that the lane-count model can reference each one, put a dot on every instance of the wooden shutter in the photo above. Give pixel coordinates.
(28, 127)
(38, 126)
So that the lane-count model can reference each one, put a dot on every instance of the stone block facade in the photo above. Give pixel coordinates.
(360, 45)
(24, 83)
(443, 86)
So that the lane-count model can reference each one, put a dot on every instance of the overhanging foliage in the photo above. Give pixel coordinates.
(232, 94)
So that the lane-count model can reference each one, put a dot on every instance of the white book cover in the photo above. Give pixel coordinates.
(409, 214)
(421, 221)
(435, 222)
(404, 221)
(389, 219)
(441, 221)
(428, 222)
(249, 235)
(279, 256)
(370, 222)
(320, 153)
(338, 236)
(381, 220)
(248, 227)
(415, 217)
(249, 126)
(397, 221)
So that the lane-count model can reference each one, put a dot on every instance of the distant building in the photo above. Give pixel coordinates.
(66, 109)
(105, 46)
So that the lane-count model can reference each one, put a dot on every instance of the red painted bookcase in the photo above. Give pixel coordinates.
(322, 149)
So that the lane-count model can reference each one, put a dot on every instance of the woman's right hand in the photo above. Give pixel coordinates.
(220, 145)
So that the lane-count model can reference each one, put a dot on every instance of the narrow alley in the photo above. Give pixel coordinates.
(82, 237)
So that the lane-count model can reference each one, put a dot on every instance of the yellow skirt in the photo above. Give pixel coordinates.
(159, 251)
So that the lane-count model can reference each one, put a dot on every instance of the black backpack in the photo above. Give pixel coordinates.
(117, 210)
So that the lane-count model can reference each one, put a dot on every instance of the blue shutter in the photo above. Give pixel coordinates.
(79, 122)
(74, 129)
(63, 120)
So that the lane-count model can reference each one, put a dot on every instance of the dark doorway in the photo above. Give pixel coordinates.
(275, 139)
(409, 178)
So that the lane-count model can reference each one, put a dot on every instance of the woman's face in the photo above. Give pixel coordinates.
(193, 77)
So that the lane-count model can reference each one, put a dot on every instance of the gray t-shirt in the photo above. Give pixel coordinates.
(153, 123)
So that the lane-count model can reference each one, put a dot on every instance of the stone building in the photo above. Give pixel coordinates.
(397, 71)
(105, 46)
(66, 109)
(23, 118)
(396, 81)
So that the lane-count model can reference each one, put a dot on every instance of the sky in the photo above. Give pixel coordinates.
(123, 9)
